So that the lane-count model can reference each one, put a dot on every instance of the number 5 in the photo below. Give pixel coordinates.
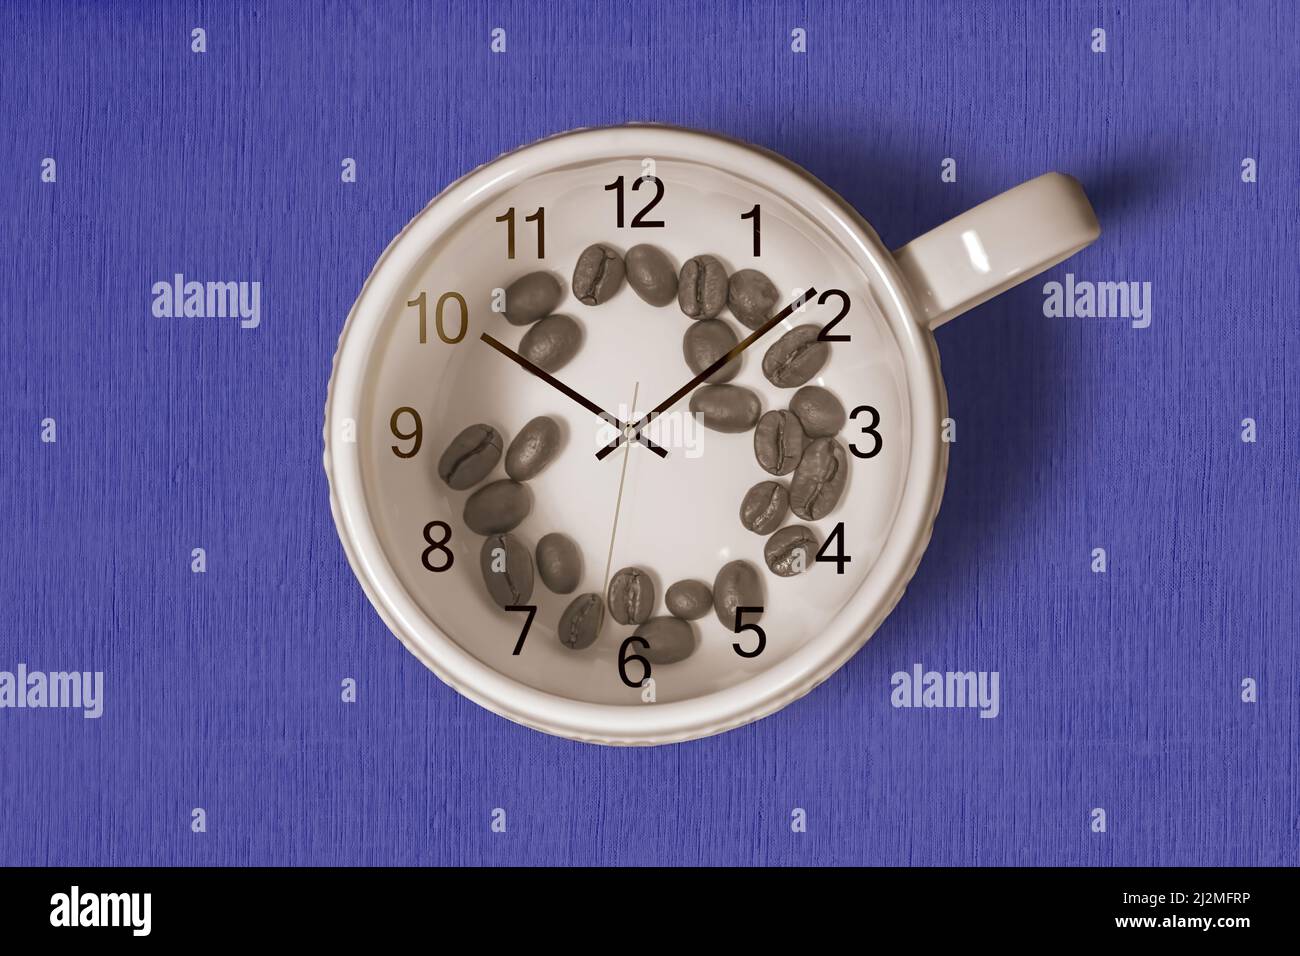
(762, 636)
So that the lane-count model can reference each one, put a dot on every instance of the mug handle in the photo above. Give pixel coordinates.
(1000, 243)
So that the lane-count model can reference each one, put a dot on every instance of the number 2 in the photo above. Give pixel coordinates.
(824, 335)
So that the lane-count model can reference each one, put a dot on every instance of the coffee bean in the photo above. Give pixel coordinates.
(532, 297)
(752, 297)
(795, 357)
(707, 341)
(791, 550)
(597, 275)
(764, 507)
(819, 411)
(507, 569)
(559, 562)
(819, 480)
(580, 623)
(668, 640)
(498, 507)
(552, 342)
(533, 448)
(737, 585)
(689, 600)
(631, 596)
(651, 275)
(726, 408)
(778, 442)
(470, 456)
(702, 287)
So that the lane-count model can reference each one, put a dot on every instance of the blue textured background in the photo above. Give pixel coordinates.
(1119, 690)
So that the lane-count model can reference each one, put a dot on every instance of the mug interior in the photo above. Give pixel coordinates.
(677, 518)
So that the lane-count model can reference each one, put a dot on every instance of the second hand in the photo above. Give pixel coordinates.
(618, 506)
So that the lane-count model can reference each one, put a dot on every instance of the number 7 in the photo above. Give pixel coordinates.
(528, 622)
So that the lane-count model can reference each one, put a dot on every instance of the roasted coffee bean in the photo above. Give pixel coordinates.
(726, 408)
(580, 623)
(597, 275)
(707, 341)
(631, 596)
(702, 287)
(819, 411)
(498, 507)
(795, 357)
(507, 569)
(470, 456)
(764, 507)
(552, 342)
(791, 550)
(689, 600)
(752, 297)
(532, 297)
(819, 480)
(533, 448)
(737, 585)
(559, 562)
(668, 640)
(651, 275)
(778, 442)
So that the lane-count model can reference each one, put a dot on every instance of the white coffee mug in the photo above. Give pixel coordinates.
(414, 368)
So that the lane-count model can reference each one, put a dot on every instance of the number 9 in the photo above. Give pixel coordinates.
(416, 433)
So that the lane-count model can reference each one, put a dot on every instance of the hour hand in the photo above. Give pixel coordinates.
(634, 430)
(582, 400)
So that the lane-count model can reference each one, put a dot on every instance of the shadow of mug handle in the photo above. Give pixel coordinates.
(1000, 243)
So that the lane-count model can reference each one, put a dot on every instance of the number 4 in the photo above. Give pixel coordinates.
(838, 558)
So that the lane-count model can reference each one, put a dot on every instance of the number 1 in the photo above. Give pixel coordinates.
(755, 214)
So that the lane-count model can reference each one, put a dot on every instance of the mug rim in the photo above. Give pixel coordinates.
(762, 694)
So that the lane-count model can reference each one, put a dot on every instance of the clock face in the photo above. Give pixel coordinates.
(430, 375)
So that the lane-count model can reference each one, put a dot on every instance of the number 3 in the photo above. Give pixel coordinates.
(868, 430)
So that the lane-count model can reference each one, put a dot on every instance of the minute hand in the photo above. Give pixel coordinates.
(686, 389)
(555, 383)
